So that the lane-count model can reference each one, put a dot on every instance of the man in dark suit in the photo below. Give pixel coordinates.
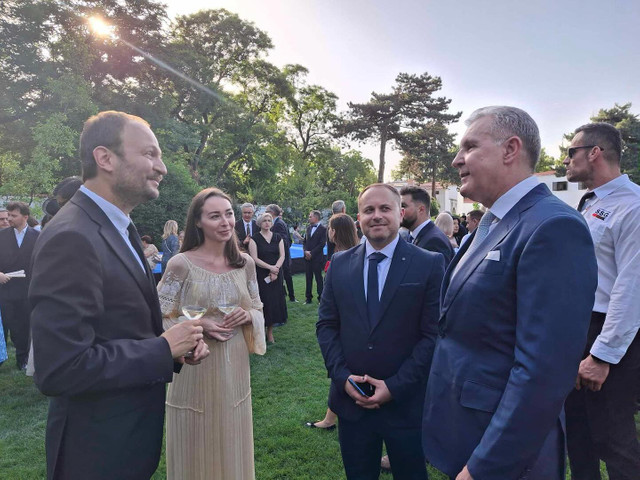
(281, 228)
(516, 302)
(377, 325)
(99, 348)
(16, 248)
(246, 226)
(314, 259)
(423, 232)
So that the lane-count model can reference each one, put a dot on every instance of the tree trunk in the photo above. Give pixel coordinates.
(433, 181)
(383, 147)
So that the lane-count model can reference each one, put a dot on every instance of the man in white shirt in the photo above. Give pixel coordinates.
(473, 219)
(600, 411)
(4, 218)
(516, 302)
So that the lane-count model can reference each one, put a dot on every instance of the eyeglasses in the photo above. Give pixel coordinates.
(572, 150)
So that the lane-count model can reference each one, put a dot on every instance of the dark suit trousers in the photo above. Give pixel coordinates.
(313, 269)
(288, 280)
(600, 425)
(361, 447)
(15, 321)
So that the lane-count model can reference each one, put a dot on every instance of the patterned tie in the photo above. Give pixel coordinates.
(373, 295)
(248, 230)
(584, 199)
(481, 233)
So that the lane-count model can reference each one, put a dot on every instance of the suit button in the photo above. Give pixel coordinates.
(370, 346)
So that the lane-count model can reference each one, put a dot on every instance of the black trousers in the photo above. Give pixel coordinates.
(361, 448)
(288, 280)
(600, 425)
(312, 269)
(16, 323)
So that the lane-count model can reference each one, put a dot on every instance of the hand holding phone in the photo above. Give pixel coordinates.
(364, 389)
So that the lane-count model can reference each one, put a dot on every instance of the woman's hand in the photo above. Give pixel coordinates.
(273, 276)
(213, 329)
(273, 269)
(236, 318)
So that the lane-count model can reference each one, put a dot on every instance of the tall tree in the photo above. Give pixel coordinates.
(547, 162)
(410, 105)
(428, 153)
(310, 112)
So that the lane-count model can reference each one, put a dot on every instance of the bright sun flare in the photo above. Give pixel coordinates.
(100, 27)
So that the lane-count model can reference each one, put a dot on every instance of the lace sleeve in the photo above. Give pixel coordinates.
(169, 289)
(254, 333)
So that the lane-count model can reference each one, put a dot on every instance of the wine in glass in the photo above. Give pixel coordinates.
(227, 300)
(193, 299)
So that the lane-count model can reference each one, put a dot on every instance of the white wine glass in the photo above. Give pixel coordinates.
(193, 298)
(227, 301)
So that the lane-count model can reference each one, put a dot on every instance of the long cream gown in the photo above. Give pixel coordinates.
(209, 419)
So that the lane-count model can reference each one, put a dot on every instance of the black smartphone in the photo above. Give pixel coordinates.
(365, 389)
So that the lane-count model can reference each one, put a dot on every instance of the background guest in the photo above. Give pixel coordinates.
(150, 251)
(282, 229)
(209, 419)
(314, 259)
(444, 222)
(297, 238)
(342, 232)
(246, 226)
(170, 242)
(267, 250)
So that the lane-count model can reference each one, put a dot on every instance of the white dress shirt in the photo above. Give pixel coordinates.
(416, 231)
(512, 196)
(118, 218)
(20, 234)
(383, 265)
(613, 216)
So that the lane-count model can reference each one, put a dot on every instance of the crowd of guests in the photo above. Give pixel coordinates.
(482, 345)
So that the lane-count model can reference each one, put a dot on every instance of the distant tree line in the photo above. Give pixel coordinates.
(259, 132)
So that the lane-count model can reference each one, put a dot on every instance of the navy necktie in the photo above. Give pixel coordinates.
(584, 199)
(373, 295)
(411, 239)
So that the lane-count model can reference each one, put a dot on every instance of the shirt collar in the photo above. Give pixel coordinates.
(119, 219)
(387, 251)
(611, 186)
(416, 231)
(509, 199)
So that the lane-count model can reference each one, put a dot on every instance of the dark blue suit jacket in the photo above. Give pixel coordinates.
(512, 334)
(399, 347)
(433, 239)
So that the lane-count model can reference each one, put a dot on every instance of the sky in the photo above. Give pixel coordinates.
(560, 60)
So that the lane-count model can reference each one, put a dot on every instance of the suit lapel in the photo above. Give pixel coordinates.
(399, 264)
(356, 268)
(423, 232)
(116, 243)
(451, 286)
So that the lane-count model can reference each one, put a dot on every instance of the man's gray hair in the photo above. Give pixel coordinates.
(248, 205)
(510, 121)
(338, 206)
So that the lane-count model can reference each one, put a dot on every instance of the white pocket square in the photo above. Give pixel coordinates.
(493, 255)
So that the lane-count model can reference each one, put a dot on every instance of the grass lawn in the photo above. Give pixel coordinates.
(289, 386)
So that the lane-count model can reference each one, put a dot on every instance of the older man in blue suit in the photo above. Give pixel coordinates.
(377, 327)
(516, 305)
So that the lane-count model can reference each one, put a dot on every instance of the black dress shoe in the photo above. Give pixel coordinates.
(293, 300)
(308, 302)
(313, 425)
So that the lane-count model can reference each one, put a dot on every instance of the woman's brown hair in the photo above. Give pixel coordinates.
(194, 237)
(344, 229)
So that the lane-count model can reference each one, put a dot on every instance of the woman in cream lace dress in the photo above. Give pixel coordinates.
(209, 418)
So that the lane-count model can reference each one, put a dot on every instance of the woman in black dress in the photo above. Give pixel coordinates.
(267, 250)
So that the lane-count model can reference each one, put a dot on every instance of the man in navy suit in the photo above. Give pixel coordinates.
(16, 248)
(422, 231)
(516, 304)
(314, 259)
(377, 325)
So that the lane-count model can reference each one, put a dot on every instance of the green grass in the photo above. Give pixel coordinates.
(289, 386)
